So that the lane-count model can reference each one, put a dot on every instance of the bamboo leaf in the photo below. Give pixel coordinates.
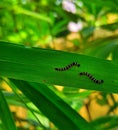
(38, 65)
(60, 113)
(5, 114)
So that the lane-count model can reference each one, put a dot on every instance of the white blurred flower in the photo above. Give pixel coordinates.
(69, 6)
(75, 27)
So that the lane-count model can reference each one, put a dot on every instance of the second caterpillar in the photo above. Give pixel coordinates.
(91, 77)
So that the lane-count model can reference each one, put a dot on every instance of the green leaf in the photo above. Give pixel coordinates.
(103, 47)
(20, 10)
(106, 123)
(59, 27)
(87, 32)
(5, 114)
(60, 113)
(115, 54)
(111, 27)
(38, 65)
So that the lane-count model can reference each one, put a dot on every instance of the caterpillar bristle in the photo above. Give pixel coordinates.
(102, 81)
(56, 69)
(97, 81)
(74, 63)
(90, 76)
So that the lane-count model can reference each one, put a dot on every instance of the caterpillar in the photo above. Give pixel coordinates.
(68, 66)
(91, 77)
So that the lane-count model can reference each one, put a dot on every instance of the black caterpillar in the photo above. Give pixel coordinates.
(67, 67)
(91, 77)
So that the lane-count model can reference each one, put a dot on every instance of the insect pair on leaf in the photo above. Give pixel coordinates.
(90, 76)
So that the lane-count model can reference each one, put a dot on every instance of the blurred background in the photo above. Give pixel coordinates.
(79, 26)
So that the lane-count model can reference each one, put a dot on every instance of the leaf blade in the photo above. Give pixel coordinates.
(5, 114)
(37, 65)
(52, 106)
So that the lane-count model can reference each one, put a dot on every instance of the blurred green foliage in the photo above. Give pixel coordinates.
(35, 22)
(41, 23)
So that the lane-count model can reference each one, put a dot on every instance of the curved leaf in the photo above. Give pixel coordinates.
(5, 114)
(38, 65)
(52, 106)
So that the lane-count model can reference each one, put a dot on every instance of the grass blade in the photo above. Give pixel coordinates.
(37, 65)
(5, 114)
(60, 113)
